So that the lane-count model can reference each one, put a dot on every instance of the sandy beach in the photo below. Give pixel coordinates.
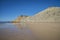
(13, 32)
(45, 31)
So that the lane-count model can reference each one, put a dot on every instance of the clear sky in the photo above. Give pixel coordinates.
(11, 9)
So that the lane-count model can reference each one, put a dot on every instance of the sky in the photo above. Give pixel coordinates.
(11, 9)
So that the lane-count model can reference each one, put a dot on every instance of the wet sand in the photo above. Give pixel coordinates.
(13, 32)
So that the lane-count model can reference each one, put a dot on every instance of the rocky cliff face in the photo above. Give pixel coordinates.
(51, 14)
(18, 19)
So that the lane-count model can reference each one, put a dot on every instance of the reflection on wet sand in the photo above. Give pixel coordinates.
(18, 25)
(15, 32)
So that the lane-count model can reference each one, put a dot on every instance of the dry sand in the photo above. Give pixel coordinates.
(45, 31)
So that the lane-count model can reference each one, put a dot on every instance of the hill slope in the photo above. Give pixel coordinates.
(51, 14)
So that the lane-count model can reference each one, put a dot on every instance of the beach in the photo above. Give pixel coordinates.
(9, 31)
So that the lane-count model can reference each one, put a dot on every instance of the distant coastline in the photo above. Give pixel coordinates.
(8, 22)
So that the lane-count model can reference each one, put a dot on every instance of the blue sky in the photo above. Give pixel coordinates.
(11, 9)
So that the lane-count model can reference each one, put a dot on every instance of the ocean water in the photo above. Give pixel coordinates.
(9, 31)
